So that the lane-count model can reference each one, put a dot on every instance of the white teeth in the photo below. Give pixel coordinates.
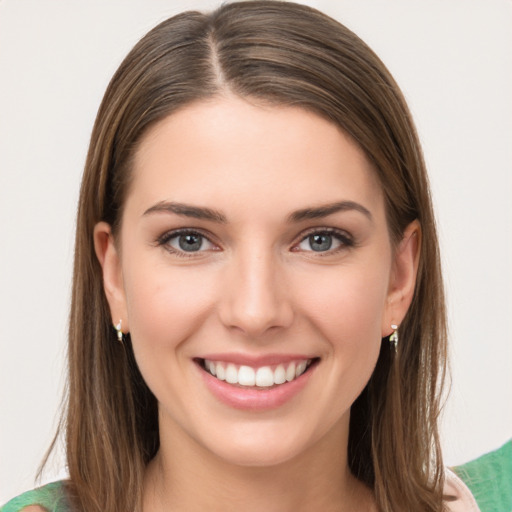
(263, 377)
(246, 376)
(279, 375)
(301, 368)
(231, 374)
(220, 372)
(290, 372)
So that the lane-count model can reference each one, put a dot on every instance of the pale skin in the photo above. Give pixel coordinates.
(289, 252)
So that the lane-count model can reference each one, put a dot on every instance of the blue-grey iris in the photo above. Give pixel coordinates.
(320, 242)
(190, 242)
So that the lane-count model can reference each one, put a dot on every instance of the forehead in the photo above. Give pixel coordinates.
(229, 149)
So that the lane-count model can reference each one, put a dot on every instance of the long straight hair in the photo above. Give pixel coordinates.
(281, 54)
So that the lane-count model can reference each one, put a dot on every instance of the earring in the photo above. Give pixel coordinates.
(120, 334)
(393, 339)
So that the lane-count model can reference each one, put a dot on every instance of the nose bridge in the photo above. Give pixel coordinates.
(255, 298)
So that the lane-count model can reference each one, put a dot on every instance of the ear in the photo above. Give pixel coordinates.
(110, 262)
(403, 277)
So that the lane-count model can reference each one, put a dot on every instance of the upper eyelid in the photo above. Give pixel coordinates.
(332, 231)
(183, 231)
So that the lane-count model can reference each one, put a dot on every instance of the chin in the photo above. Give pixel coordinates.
(258, 455)
(261, 445)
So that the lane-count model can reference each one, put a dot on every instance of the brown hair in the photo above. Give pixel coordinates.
(284, 54)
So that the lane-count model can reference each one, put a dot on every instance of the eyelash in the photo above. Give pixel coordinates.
(164, 240)
(345, 239)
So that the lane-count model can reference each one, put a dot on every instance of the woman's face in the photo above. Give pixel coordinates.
(255, 274)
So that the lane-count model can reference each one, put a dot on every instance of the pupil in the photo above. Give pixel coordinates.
(190, 242)
(320, 242)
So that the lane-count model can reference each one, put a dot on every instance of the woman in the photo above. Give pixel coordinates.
(255, 222)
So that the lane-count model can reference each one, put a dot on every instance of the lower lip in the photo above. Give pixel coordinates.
(256, 399)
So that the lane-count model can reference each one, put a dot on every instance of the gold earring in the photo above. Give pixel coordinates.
(393, 339)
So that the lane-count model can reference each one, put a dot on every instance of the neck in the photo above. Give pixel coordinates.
(185, 477)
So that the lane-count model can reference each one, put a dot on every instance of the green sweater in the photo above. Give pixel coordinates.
(489, 479)
(52, 497)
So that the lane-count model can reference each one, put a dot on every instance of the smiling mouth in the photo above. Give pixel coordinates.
(263, 377)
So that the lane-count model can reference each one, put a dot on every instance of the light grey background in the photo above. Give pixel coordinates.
(453, 60)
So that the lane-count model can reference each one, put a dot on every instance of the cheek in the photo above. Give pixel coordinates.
(346, 305)
(346, 309)
(165, 305)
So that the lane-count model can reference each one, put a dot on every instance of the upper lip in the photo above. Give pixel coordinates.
(256, 361)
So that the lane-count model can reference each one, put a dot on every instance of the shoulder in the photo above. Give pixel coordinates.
(458, 497)
(489, 478)
(49, 498)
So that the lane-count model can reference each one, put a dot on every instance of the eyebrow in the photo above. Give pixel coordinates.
(187, 210)
(328, 209)
(198, 212)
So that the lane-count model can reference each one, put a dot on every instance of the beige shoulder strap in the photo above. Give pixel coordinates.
(464, 501)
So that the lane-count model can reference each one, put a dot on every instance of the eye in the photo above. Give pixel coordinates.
(325, 241)
(186, 241)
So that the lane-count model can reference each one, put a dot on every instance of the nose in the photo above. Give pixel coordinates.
(255, 298)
